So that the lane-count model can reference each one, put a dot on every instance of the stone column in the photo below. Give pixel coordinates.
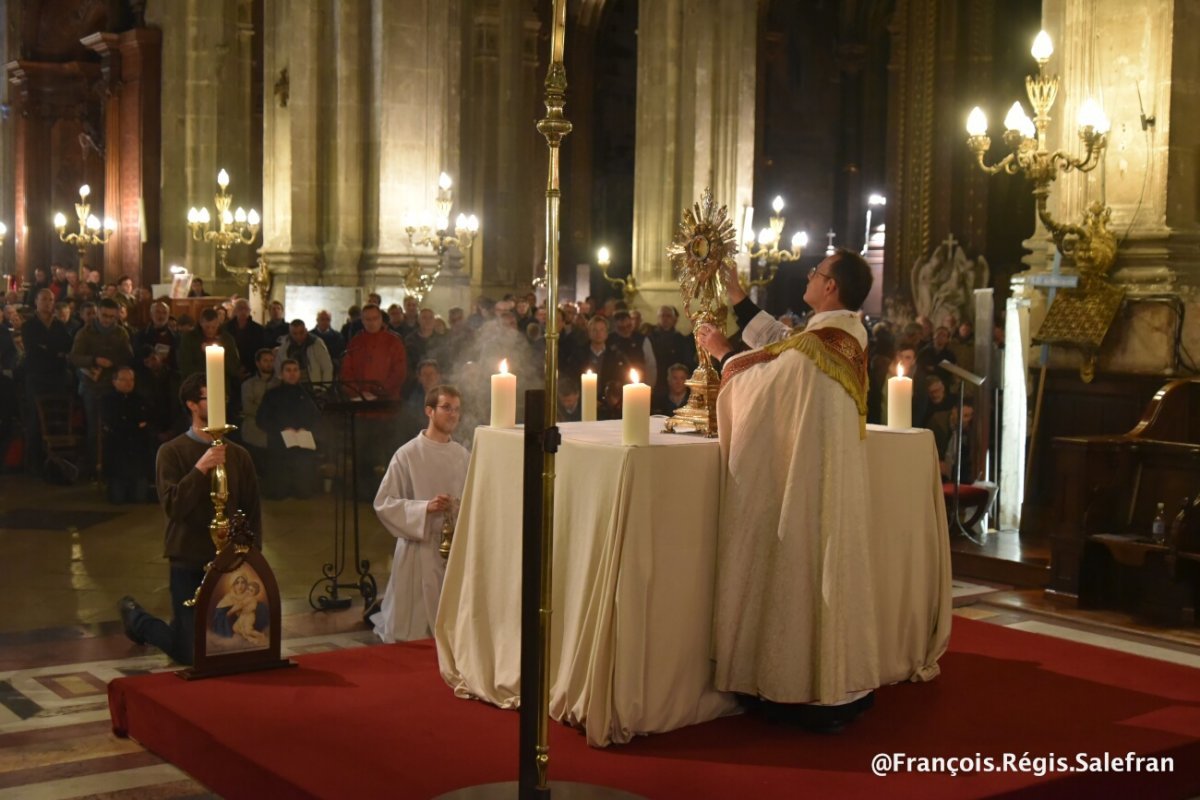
(695, 124)
(292, 191)
(412, 128)
(204, 126)
(344, 113)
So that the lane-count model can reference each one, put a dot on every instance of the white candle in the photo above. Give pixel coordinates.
(587, 396)
(504, 398)
(214, 359)
(900, 396)
(635, 412)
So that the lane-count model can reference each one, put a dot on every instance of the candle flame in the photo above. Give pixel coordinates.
(633, 376)
(504, 366)
(589, 372)
(899, 370)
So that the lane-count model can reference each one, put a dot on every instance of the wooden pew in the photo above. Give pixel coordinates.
(1106, 490)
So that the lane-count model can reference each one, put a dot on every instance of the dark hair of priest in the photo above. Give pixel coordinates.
(853, 276)
(208, 314)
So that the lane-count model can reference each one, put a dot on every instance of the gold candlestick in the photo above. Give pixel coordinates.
(218, 529)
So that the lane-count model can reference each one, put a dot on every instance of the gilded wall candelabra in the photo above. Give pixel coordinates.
(1079, 316)
(432, 229)
(628, 285)
(91, 231)
(768, 255)
(232, 227)
(1092, 244)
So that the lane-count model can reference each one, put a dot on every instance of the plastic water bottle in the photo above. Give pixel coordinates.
(1158, 528)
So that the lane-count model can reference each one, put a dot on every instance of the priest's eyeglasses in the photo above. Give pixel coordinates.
(815, 271)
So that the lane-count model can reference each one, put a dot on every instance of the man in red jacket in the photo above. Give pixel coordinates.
(374, 368)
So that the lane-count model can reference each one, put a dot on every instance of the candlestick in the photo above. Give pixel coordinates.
(587, 396)
(214, 359)
(504, 398)
(635, 412)
(900, 395)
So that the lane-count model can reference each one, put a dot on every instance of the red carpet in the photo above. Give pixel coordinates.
(379, 722)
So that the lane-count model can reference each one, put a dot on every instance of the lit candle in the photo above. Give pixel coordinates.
(900, 395)
(214, 359)
(635, 412)
(504, 398)
(587, 396)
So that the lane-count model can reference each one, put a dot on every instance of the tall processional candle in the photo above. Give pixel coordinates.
(214, 360)
(635, 412)
(504, 398)
(900, 396)
(587, 396)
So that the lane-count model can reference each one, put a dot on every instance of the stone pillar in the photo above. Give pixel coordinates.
(292, 191)
(204, 126)
(343, 116)
(131, 68)
(695, 125)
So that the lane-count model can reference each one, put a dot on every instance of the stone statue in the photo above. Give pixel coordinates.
(944, 285)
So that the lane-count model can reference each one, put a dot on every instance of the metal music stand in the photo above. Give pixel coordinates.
(344, 399)
(964, 377)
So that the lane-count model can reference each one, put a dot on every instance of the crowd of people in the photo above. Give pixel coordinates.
(106, 361)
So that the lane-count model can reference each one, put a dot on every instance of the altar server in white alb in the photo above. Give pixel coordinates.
(794, 620)
(422, 485)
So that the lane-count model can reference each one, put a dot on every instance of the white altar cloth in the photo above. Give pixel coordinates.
(634, 566)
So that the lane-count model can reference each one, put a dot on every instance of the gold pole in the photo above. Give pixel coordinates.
(554, 127)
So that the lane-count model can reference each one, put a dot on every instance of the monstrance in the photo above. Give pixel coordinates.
(704, 246)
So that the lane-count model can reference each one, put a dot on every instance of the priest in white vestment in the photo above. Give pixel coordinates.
(794, 620)
(423, 483)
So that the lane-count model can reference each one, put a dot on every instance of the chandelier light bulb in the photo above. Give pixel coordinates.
(799, 240)
(3, 230)
(1091, 115)
(110, 224)
(60, 221)
(84, 191)
(444, 182)
(876, 199)
(766, 236)
(1016, 119)
(204, 216)
(226, 217)
(93, 223)
(1042, 48)
(252, 217)
(602, 256)
(193, 216)
(460, 222)
(239, 215)
(223, 179)
(473, 223)
(777, 204)
(976, 122)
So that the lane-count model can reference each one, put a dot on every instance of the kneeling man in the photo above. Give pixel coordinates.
(422, 485)
(794, 614)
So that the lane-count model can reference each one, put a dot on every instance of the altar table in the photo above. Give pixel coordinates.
(634, 572)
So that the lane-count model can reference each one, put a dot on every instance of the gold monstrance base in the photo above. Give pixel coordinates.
(700, 413)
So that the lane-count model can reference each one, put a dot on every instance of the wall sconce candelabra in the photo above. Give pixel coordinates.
(768, 254)
(627, 285)
(91, 232)
(432, 229)
(1092, 244)
(1078, 316)
(233, 227)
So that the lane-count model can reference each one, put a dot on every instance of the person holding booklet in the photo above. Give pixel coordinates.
(288, 416)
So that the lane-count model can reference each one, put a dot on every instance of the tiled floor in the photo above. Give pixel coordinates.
(60, 641)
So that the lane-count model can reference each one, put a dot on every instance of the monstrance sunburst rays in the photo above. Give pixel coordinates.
(705, 241)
